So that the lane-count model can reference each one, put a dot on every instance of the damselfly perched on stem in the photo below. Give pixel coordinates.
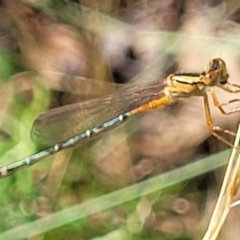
(71, 124)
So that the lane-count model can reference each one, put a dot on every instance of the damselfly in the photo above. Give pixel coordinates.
(66, 126)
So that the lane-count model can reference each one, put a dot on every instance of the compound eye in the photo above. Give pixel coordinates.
(214, 65)
(224, 79)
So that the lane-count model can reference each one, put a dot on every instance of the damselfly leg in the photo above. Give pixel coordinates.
(220, 105)
(215, 128)
(218, 75)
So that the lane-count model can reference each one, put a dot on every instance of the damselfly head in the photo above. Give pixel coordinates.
(217, 71)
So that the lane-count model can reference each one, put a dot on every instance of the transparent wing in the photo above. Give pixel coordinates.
(59, 124)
